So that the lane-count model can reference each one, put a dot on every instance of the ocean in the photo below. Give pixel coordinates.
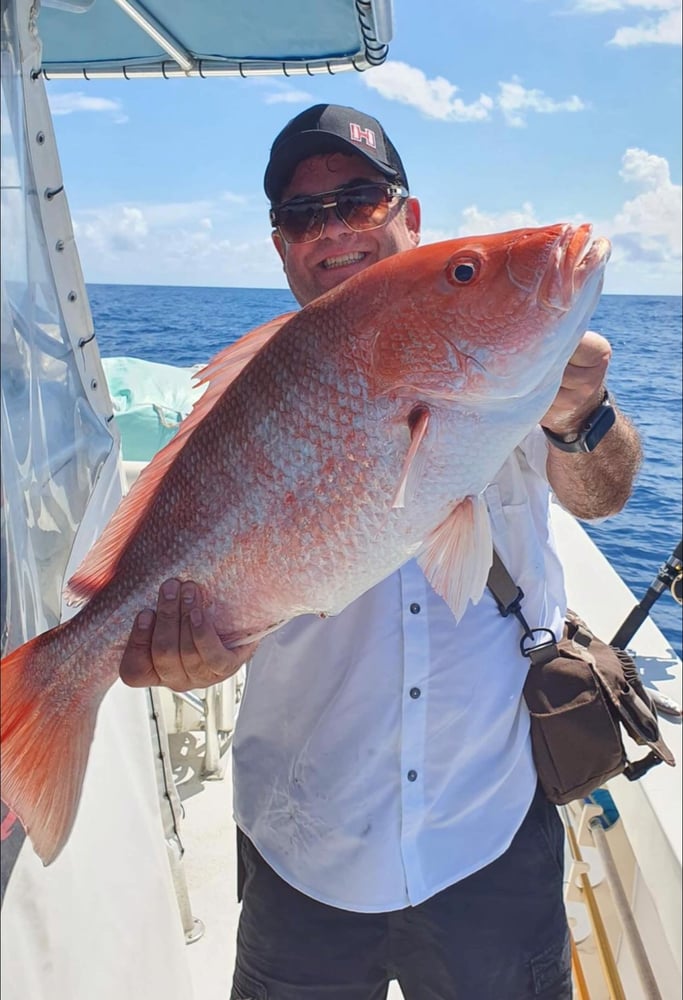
(186, 326)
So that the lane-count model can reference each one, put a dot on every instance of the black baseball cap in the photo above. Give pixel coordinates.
(330, 128)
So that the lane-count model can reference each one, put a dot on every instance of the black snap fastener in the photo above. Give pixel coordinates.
(412, 775)
(415, 692)
(414, 608)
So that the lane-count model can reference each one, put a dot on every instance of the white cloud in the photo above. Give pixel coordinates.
(75, 102)
(665, 30)
(605, 6)
(649, 225)
(184, 243)
(515, 101)
(659, 20)
(119, 230)
(288, 97)
(436, 97)
(234, 199)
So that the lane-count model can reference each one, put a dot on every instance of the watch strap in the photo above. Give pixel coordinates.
(591, 434)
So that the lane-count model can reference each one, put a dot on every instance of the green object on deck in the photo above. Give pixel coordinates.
(149, 400)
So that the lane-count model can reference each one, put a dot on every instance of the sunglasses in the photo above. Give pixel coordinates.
(361, 207)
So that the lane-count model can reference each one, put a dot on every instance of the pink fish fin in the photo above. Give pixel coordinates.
(418, 422)
(45, 742)
(99, 566)
(231, 360)
(457, 555)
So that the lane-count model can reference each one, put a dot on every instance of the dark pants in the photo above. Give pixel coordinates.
(500, 934)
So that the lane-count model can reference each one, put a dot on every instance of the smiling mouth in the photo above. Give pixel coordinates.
(342, 260)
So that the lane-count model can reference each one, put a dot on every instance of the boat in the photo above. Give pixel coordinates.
(141, 903)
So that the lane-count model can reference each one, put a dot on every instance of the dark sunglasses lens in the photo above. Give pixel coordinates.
(365, 207)
(300, 223)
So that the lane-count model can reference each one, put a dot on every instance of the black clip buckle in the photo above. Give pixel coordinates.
(513, 607)
(540, 652)
(637, 768)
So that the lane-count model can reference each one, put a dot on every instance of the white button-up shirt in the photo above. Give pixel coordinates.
(384, 754)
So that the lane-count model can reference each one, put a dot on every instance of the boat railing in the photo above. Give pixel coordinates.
(599, 908)
(214, 707)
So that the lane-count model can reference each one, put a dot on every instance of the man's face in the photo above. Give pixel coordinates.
(314, 268)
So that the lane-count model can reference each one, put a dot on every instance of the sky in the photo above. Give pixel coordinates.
(506, 113)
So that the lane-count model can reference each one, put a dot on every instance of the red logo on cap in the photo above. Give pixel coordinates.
(365, 135)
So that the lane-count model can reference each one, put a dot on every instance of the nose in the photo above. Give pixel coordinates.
(333, 223)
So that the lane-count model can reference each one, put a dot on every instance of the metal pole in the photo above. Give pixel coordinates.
(609, 965)
(641, 961)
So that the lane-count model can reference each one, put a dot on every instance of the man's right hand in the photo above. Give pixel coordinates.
(177, 646)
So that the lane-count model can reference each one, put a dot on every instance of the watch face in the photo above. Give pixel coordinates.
(599, 427)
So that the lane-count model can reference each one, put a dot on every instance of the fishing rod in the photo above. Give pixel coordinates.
(669, 577)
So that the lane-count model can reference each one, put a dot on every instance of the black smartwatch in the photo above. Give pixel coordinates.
(592, 432)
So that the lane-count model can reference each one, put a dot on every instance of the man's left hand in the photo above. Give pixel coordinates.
(582, 385)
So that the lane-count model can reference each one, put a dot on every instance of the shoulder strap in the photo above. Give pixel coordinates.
(506, 592)
(539, 644)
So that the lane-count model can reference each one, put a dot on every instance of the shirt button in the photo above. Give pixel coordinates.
(415, 692)
(414, 609)
(412, 775)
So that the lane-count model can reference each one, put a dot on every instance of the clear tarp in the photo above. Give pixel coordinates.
(102, 921)
(54, 441)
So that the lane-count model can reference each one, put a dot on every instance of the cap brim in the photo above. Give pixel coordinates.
(299, 147)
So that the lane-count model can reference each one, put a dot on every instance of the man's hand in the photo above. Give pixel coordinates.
(596, 484)
(582, 385)
(177, 646)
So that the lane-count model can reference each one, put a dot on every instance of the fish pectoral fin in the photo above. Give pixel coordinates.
(457, 556)
(418, 422)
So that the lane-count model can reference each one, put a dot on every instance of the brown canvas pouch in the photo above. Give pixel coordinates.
(580, 691)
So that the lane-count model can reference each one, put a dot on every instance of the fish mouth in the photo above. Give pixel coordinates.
(573, 259)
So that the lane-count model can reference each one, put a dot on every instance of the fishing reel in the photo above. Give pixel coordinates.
(669, 577)
(671, 574)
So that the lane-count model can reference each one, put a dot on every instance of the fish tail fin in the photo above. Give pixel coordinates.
(45, 738)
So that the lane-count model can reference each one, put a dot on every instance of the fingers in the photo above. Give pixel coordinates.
(165, 647)
(137, 668)
(204, 658)
(178, 647)
(582, 384)
(587, 367)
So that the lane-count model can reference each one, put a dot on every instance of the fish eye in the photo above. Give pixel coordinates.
(463, 270)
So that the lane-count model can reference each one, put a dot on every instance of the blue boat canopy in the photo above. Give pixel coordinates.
(107, 38)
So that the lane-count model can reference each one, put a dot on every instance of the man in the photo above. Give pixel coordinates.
(384, 785)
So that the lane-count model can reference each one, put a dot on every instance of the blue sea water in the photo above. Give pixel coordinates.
(188, 325)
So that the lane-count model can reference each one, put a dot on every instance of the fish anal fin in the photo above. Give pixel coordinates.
(99, 566)
(45, 744)
(418, 422)
(457, 556)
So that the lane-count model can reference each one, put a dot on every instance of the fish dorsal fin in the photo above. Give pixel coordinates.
(231, 360)
(99, 566)
(418, 422)
(457, 556)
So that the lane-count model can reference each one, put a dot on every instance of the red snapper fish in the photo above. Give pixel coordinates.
(330, 446)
